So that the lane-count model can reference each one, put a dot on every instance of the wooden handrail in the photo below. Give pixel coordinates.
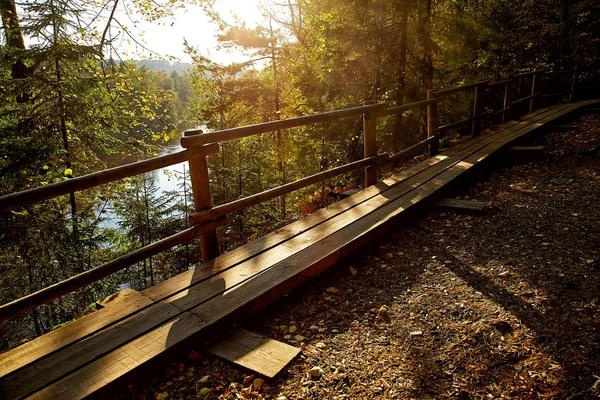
(522, 99)
(270, 194)
(76, 282)
(499, 83)
(31, 196)
(405, 107)
(409, 151)
(245, 131)
(457, 89)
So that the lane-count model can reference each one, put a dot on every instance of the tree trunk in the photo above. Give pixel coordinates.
(14, 40)
(424, 38)
(399, 140)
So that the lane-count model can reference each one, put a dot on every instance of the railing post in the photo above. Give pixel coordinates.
(573, 84)
(477, 110)
(203, 201)
(534, 87)
(432, 124)
(370, 142)
(508, 94)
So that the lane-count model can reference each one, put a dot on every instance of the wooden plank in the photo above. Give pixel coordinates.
(257, 353)
(97, 375)
(341, 238)
(351, 192)
(51, 342)
(61, 363)
(471, 205)
(121, 295)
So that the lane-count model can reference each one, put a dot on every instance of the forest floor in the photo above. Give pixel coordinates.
(500, 304)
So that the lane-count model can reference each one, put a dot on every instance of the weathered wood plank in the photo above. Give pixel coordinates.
(49, 343)
(257, 353)
(112, 366)
(471, 205)
(40, 373)
(121, 295)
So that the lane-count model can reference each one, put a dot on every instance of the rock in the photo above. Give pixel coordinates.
(416, 333)
(299, 338)
(204, 391)
(258, 382)
(316, 372)
(205, 379)
(293, 329)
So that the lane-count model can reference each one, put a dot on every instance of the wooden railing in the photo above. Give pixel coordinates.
(198, 145)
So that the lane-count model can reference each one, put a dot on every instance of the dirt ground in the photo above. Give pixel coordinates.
(500, 304)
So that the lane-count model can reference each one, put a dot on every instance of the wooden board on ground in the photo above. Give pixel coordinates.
(257, 353)
(470, 205)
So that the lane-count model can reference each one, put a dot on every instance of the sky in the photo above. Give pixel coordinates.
(166, 36)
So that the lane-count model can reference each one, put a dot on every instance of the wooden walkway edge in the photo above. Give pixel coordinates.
(85, 357)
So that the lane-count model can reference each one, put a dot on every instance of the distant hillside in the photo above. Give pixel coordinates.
(163, 65)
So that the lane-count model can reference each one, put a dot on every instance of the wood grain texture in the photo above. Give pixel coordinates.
(257, 353)
(53, 341)
(63, 362)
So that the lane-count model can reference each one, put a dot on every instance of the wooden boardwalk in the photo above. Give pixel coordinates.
(87, 356)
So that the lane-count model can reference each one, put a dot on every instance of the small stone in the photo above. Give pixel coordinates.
(282, 398)
(205, 379)
(293, 329)
(204, 391)
(334, 331)
(314, 328)
(258, 382)
(283, 328)
(416, 333)
(162, 396)
(316, 372)
(320, 345)
(299, 338)
(287, 337)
